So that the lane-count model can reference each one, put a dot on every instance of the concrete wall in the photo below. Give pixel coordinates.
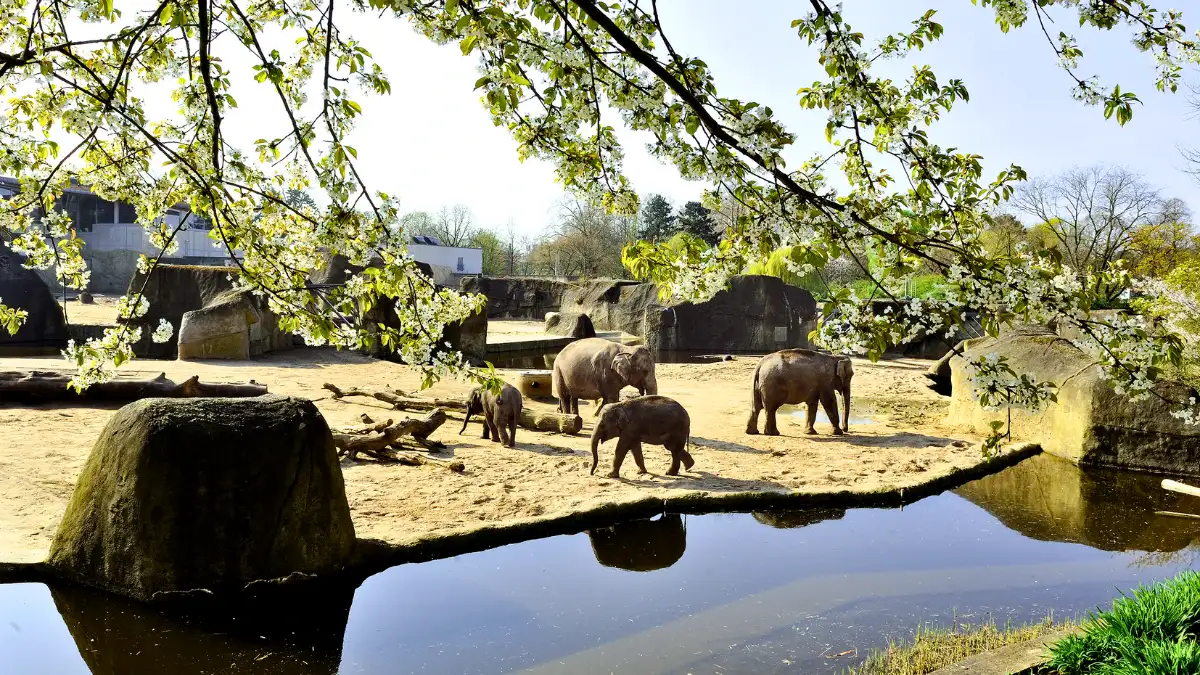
(132, 237)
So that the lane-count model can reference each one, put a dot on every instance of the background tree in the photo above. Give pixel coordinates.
(299, 199)
(495, 253)
(697, 221)
(453, 225)
(585, 241)
(1092, 213)
(1157, 249)
(658, 219)
(1003, 235)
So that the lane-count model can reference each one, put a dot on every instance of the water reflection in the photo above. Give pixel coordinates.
(641, 545)
(1051, 499)
(788, 520)
(116, 636)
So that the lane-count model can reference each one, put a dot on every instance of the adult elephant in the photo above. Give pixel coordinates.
(801, 376)
(595, 368)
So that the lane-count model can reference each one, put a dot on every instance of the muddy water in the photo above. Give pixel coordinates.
(770, 592)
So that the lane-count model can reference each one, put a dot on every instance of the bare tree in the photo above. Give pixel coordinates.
(585, 241)
(453, 226)
(1092, 212)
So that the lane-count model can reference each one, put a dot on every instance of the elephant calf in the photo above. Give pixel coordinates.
(646, 419)
(801, 376)
(500, 413)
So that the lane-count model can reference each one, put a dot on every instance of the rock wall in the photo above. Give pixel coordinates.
(44, 330)
(174, 290)
(1090, 423)
(755, 314)
(517, 297)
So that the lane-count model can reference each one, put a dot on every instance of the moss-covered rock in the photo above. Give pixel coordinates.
(1090, 423)
(186, 494)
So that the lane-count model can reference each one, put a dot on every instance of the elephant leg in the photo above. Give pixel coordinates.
(752, 423)
(811, 404)
(771, 429)
(636, 449)
(619, 457)
(502, 429)
(829, 402)
(487, 427)
(686, 456)
(574, 406)
(491, 422)
(512, 432)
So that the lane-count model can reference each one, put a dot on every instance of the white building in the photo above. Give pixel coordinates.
(112, 226)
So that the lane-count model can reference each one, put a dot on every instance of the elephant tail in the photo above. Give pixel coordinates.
(756, 402)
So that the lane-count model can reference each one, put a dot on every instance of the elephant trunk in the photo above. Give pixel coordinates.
(466, 418)
(595, 448)
(651, 385)
(846, 407)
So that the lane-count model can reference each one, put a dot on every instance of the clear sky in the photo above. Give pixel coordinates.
(432, 143)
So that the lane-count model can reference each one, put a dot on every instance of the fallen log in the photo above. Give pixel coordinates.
(536, 420)
(40, 386)
(365, 429)
(399, 401)
(1184, 488)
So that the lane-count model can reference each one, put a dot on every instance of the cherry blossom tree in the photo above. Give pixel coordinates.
(558, 75)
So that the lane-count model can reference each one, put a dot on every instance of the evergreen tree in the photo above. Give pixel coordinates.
(658, 223)
(697, 221)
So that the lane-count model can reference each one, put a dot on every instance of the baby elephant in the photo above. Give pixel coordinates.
(500, 413)
(645, 419)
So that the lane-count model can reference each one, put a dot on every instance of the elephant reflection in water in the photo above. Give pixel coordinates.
(787, 520)
(641, 545)
(116, 636)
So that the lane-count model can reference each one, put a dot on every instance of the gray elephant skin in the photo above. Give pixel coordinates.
(646, 419)
(794, 376)
(595, 368)
(500, 413)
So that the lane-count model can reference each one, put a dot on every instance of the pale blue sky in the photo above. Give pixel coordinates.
(432, 143)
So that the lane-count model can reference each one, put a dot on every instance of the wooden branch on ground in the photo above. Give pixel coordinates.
(375, 439)
(534, 420)
(41, 386)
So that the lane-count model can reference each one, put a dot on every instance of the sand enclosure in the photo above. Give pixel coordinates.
(43, 448)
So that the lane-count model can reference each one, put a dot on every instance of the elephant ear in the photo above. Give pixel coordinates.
(623, 366)
(845, 370)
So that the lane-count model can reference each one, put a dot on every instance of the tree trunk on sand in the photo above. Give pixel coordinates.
(43, 386)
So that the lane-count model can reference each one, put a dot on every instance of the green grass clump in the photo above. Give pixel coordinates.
(1151, 632)
(934, 648)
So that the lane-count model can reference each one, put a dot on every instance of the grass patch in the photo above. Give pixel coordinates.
(932, 648)
(1151, 632)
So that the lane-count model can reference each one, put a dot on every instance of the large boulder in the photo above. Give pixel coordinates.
(235, 325)
(214, 494)
(517, 297)
(1090, 423)
(44, 330)
(570, 325)
(174, 290)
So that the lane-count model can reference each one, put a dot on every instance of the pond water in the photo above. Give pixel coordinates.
(769, 592)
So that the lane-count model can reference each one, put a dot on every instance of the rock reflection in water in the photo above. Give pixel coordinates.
(791, 519)
(1051, 499)
(116, 636)
(641, 545)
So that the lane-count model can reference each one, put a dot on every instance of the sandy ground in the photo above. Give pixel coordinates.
(43, 448)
